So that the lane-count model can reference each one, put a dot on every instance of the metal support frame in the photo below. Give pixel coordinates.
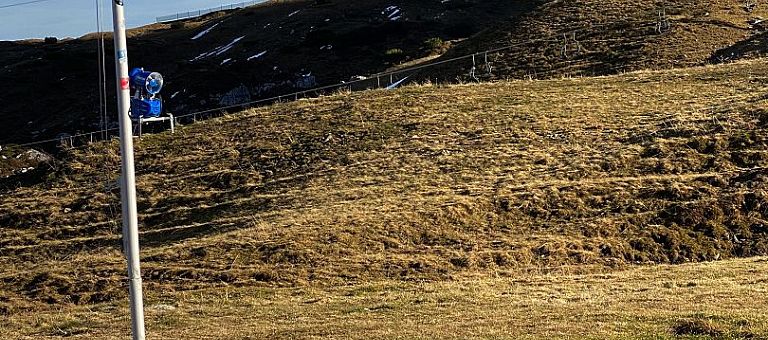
(141, 121)
(571, 46)
(488, 66)
(663, 25)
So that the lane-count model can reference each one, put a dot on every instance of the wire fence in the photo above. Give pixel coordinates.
(199, 13)
(474, 66)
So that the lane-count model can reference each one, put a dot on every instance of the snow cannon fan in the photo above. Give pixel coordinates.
(146, 101)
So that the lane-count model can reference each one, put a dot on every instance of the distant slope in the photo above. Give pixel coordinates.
(614, 36)
(423, 183)
(231, 57)
(283, 46)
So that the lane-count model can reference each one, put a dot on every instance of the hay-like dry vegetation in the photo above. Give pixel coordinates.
(425, 189)
(716, 300)
(594, 37)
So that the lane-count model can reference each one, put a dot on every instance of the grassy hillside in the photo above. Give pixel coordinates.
(53, 88)
(424, 183)
(334, 41)
(619, 36)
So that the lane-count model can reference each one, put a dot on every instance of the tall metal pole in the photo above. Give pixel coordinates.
(128, 187)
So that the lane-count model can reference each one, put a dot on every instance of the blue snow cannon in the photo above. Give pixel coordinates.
(146, 101)
(146, 107)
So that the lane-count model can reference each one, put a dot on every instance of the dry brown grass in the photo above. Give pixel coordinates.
(423, 184)
(724, 299)
(615, 36)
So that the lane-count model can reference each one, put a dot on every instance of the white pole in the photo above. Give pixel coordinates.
(128, 187)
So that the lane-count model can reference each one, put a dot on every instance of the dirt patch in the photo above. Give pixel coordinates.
(63, 288)
(696, 327)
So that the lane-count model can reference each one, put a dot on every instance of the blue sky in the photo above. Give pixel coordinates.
(73, 18)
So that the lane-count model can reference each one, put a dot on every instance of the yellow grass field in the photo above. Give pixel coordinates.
(725, 299)
(629, 206)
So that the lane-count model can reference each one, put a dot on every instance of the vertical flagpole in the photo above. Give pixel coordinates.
(128, 184)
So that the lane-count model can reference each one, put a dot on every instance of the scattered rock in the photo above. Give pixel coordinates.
(37, 156)
(162, 308)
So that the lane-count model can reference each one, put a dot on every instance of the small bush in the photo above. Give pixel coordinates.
(393, 52)
(435, 46)
(394, 55)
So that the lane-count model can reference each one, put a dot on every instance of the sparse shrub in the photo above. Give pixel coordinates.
(394, 55)
(434, 45)
(51, 40)
(393, 52)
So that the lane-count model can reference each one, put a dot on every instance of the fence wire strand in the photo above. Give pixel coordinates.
(199, 13)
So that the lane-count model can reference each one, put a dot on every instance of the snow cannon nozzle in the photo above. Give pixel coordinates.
(151, 82)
